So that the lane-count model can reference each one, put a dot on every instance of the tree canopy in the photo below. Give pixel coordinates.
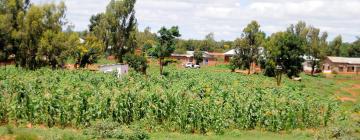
(166, 41)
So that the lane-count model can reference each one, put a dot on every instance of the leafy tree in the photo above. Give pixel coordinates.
(37, 21)
(284, 49)
(249, 44)
(236, 62)
(199, 57)
(209, 44)
(239, 60)
(166, 44)
(95, 21)
(89, 51)
(147, 46)
(138, 63)
(335, 46)
(122, 26)
(99, 26)
(354, 51)
(11, 15)
(300, 30)
(54, 48)
(145, 39)
(317, 45)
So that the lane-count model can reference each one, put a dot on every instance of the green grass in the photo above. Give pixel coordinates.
(234, 135)
(41, 133)
(68, 134)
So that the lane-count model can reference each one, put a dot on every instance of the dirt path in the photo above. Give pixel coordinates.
(353, 90)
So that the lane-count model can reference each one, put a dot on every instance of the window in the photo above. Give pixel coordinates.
(351, 69)
(341, 69)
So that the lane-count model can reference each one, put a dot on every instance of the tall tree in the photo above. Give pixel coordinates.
(209, 43)
(95, 21)
(335, 46)
(37, 21)
(166, 44)
(248, 50)
(145, 38)
(55, 47)
(88, 52)
(99, 26)
(122, 26)
(354, 51)
(317, 45)
(11, 15)
(199, 57)
(284, 49)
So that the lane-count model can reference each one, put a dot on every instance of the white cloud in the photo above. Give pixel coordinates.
(227, 18)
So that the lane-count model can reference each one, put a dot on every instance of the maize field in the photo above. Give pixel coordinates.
(186, 101)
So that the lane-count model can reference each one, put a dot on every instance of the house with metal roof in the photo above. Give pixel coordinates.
(189, 57)
(231, 53)
(341, 65)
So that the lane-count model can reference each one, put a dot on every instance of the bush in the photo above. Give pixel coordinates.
(138, 63)
(104, 129)
(108, 129)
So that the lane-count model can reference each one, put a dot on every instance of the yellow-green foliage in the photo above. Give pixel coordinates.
(184, 101)
(89, 51)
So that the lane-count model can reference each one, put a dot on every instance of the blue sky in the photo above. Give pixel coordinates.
(227, 18)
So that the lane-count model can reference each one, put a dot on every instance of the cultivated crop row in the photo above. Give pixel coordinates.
(184, 101)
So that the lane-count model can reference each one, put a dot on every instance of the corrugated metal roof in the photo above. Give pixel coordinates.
(191, 54)
(230, 53)
(347, 60)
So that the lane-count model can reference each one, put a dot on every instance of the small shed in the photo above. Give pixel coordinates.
(120, 69)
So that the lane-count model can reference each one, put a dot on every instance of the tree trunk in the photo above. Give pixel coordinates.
(249, 71)
(278, 79)
(312, 71)
(161, 66)
(313, 68)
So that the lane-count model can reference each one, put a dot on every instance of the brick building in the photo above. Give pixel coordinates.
(342, 65)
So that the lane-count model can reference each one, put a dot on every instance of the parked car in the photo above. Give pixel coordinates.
(188, 65)
(196, 66)
(191, 65)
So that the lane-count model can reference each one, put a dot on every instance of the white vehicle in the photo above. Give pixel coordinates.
(196, 66)
(191, 65)
(188, 65)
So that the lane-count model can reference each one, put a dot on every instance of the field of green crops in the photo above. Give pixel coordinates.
(184, 101)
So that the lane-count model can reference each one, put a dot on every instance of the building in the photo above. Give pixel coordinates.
(228, 55)
(120, 69)
(231, 53)
(307, 64)
(189, 57)
(342, 65)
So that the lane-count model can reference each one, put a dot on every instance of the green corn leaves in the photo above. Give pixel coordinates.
(185, 101)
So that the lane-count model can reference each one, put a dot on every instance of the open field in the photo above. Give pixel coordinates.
(191, 104)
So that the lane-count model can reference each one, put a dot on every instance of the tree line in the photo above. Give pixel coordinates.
(285, 51)
(35, 37)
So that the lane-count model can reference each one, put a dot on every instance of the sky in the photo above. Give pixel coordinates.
(227, 18)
